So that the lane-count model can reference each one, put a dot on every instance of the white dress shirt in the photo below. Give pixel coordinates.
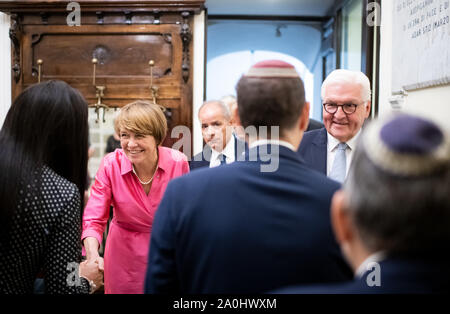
(332, 144)
(228, 152)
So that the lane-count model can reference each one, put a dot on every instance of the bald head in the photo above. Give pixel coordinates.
(215, 119)
(219, 104)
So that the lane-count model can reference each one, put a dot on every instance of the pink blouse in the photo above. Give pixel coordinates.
(128, 238)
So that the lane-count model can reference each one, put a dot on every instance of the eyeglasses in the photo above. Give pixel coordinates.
(333, 108)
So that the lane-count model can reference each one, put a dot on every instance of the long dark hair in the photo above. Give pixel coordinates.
(46, 125)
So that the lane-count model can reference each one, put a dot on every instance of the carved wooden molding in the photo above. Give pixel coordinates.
(122, 35)
(100, 17)
(128, 16)
(15, 33)
(44, 17)
(186, 37)
(17, 6)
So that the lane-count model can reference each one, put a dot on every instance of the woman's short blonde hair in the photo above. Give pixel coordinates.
(144, 118)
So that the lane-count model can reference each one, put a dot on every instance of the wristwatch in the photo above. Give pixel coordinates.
(92, 285)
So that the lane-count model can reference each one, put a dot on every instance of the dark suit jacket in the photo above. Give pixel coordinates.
(235, 229)
(202, 159)
(397, 275)
(313, 149)
(314, 125)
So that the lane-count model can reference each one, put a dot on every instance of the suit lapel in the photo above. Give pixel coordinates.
(206, 155)
(319, 151)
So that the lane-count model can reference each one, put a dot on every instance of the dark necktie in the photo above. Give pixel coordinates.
(222, 159)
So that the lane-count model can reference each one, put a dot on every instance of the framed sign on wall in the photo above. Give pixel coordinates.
(420, 44)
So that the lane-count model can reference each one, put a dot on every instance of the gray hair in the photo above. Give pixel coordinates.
(229, 100)
(398, 213)
(351, 77)
(225, 109)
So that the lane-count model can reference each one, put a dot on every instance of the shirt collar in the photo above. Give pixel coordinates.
(273, 142)
(334, 142)
(164, 157)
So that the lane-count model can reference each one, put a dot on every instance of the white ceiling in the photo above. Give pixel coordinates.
(270, 7)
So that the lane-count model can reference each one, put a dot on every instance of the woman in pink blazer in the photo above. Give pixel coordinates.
(133, 180)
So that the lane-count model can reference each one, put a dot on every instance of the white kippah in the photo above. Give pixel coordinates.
(272, 69)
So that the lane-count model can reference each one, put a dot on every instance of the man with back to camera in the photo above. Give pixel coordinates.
(251, 226)
(346, 105)
(222, 146)
(394, 235)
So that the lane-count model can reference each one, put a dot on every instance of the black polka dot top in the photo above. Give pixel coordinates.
(45, 239)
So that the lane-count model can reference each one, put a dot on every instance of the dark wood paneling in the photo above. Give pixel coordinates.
(93, 6)
(124, 36)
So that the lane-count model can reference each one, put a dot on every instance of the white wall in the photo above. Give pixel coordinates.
(98, 136)
(297, 40)
(5, 67)
(199, 78)
(433, 102)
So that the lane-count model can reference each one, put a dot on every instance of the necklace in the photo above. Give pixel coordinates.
(149, 181)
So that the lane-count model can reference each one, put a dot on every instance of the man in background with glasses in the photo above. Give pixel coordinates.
(346, 105)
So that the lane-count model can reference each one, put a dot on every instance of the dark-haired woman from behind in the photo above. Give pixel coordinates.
(43, 166)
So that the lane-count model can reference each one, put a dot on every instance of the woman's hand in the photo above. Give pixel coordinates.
(91, 271)
(91, 246)
(99, 261)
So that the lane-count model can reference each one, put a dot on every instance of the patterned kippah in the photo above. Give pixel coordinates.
(407, 145)
(272, 69)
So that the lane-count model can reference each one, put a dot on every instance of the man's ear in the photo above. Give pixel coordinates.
(367, 113)
(340, 219)
(304, 118)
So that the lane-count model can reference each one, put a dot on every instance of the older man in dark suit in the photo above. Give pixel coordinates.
(392, 217)
(251, 226)
(222, 146)
(314, 125)
(346, 105)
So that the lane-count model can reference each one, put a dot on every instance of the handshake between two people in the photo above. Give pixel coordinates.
(92, 270)
(93, 267)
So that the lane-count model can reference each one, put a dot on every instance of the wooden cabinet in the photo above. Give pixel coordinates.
(123, 36)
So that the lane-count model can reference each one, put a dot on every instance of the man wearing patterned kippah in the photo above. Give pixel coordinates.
(255, 225)
(392, 218)
(346, 105)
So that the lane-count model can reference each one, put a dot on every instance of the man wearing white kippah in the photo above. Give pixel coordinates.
(255, 225)
(346, 105)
